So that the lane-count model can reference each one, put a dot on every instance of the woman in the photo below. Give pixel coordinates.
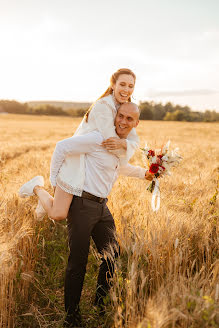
(67, 177)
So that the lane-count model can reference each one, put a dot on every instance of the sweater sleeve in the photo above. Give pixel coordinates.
(103, 117)
(75, 145)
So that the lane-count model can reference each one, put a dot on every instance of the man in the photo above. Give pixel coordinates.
(89, 215)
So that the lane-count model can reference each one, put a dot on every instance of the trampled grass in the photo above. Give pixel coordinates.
(167, 274)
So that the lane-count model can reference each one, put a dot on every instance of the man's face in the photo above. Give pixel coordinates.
(127, 118)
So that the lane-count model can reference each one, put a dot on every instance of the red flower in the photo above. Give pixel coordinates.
(160, 156)
(151, 153)
(154, 168)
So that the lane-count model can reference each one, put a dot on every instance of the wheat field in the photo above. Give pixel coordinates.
(168, 270)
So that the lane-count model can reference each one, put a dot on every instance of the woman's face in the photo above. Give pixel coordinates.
(123, 88)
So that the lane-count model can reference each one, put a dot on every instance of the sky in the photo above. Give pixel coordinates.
(67, 49)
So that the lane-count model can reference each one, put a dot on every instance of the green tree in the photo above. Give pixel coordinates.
(169, 107)
(48, 110)
(78, 112)
(168, 117)
(195, 117)
(211, 116)
(178, 115)
(158, 112)
(146, 111)
(12, 106)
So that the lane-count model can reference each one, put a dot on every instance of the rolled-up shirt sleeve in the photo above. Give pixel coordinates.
(75, 145)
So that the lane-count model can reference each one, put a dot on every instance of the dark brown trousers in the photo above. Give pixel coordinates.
(87, 218)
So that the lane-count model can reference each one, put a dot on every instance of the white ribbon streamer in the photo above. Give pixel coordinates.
(156, 194)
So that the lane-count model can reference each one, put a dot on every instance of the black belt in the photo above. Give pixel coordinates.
(87, 195)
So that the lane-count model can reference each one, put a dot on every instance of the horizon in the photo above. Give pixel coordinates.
(89, 103)
(68, 50)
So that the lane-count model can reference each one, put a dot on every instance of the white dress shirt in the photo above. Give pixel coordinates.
(101, 167)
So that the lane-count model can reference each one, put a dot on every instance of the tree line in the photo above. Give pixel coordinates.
(15, 107)
(170, 112)
(149, 111)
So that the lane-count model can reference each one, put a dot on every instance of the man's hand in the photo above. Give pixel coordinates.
(149, 176)
(114, 143)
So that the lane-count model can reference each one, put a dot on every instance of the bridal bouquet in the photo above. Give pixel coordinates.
(159, 163)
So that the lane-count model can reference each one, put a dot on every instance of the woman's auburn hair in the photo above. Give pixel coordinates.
(109, 90)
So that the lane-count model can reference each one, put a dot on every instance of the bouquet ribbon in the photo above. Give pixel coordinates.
(156, 194)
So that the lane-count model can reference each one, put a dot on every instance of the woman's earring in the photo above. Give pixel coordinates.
(133, 97)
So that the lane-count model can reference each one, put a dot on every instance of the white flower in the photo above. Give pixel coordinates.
(165, 158)
(166, 147)
(166, 165)
(154, 160)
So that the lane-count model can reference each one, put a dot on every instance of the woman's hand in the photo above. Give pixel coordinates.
(114, 143)
(149, 176)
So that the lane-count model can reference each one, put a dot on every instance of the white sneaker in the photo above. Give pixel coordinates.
(27, 189)
(39, 211)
